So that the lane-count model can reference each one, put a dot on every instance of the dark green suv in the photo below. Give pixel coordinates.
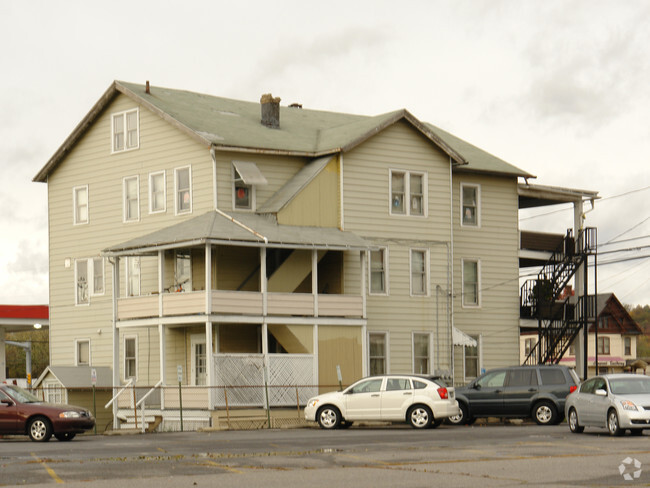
(538, 392)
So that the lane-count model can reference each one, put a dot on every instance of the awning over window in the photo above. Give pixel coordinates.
(250, 173)
(461, 339)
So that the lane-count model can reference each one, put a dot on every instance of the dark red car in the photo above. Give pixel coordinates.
(21, 413)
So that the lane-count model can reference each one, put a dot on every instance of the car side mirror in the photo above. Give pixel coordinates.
(476, 386)
(7, 402)
(601, 392)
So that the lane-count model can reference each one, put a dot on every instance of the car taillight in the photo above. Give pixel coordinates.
(443, 393)
(572, 388)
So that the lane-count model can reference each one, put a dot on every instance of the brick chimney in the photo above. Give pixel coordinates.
(270, 111)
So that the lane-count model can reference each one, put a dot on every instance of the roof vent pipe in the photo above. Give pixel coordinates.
(146, 88)
(270, 111)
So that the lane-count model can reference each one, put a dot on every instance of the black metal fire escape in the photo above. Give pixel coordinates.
(559, 319)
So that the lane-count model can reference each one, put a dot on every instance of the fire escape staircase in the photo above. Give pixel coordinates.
(559, 319)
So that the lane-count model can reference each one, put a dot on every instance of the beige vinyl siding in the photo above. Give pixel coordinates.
(91, 163)
(318, 203)
(276, 169)
(495, 244)
(366, 190)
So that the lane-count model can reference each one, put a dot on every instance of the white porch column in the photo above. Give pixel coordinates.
(314, 279)
(263, 281)
(364, 275)
(161, 327)
(116, 338)
(209, 348)
(3, 355)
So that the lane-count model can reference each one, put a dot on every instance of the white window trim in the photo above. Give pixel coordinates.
(125, 218)
(75, 284)
(76, 351)
(478, 205)
(177, 211)
(74, 205)
(151, 176)
(386, 335)
(124, 339)
(128, 277)
(124, 113)
(430, 347)
(386, 291)
(252, 195)
(407, 193)
(478, 284)
(427, 267)
(91, 266)
(194, 340)
(49, 385)
(479, 340)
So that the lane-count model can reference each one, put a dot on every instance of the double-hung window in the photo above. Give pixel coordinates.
(472, 359)
(419, 272)
(627, 344)
(183, 187)
(130, 357)
(133, 276)
(246, 176)
(378, 272)
(157, 193)
(530, 345)
(470, 205)
(89, 279)
(377, 357)
(126, 132)
(131, 191)
(603, 345)
(80, 204)
(82, 352)
(471, 280)
(421, 353)
(408, 192)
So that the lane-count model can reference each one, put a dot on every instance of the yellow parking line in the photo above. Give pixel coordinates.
(227, 468)
(49, 470)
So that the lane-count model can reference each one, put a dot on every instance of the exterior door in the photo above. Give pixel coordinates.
(363, 401)
(199, 365)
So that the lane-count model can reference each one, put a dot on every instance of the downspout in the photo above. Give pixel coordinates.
(450, 272)
(213, 154)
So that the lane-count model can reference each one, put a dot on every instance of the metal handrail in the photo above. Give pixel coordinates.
(119, 393)
(144, 397)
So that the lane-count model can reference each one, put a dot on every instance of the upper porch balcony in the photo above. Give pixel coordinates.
(233, 273)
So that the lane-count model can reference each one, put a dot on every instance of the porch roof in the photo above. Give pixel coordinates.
(238, 228)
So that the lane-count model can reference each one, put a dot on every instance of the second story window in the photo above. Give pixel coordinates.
(183, 185)
(131, 198)
(89, 279)
(126, 133)
(470, 213)
(157, 193)
(419, 272)
(133, 276)
(80, 204)
(407, 193)
(627, 344)
(378, 272)
(470, 283)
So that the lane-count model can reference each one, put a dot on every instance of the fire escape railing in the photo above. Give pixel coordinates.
(559, 321)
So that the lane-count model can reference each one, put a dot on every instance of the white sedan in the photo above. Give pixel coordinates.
(614, 401)
(422, 402)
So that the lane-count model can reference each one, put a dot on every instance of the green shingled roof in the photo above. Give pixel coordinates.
(225, 124)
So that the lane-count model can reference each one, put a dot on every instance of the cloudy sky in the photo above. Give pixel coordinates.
(558, 88)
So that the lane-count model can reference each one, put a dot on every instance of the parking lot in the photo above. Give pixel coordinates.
(487, 455)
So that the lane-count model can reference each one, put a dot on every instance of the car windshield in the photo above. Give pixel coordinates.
(630, 386)
(21, 395)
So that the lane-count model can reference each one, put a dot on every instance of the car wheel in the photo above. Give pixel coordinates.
(39, 429)
(329, 417)
(574, 426)
(65, 436)
(419, 417)
(612, 423)
(463, 417)
(544, 413)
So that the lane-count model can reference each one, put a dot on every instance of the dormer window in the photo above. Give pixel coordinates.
(126, 132)
(246, 176)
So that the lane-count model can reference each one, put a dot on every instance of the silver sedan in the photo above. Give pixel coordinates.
(613, 401)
